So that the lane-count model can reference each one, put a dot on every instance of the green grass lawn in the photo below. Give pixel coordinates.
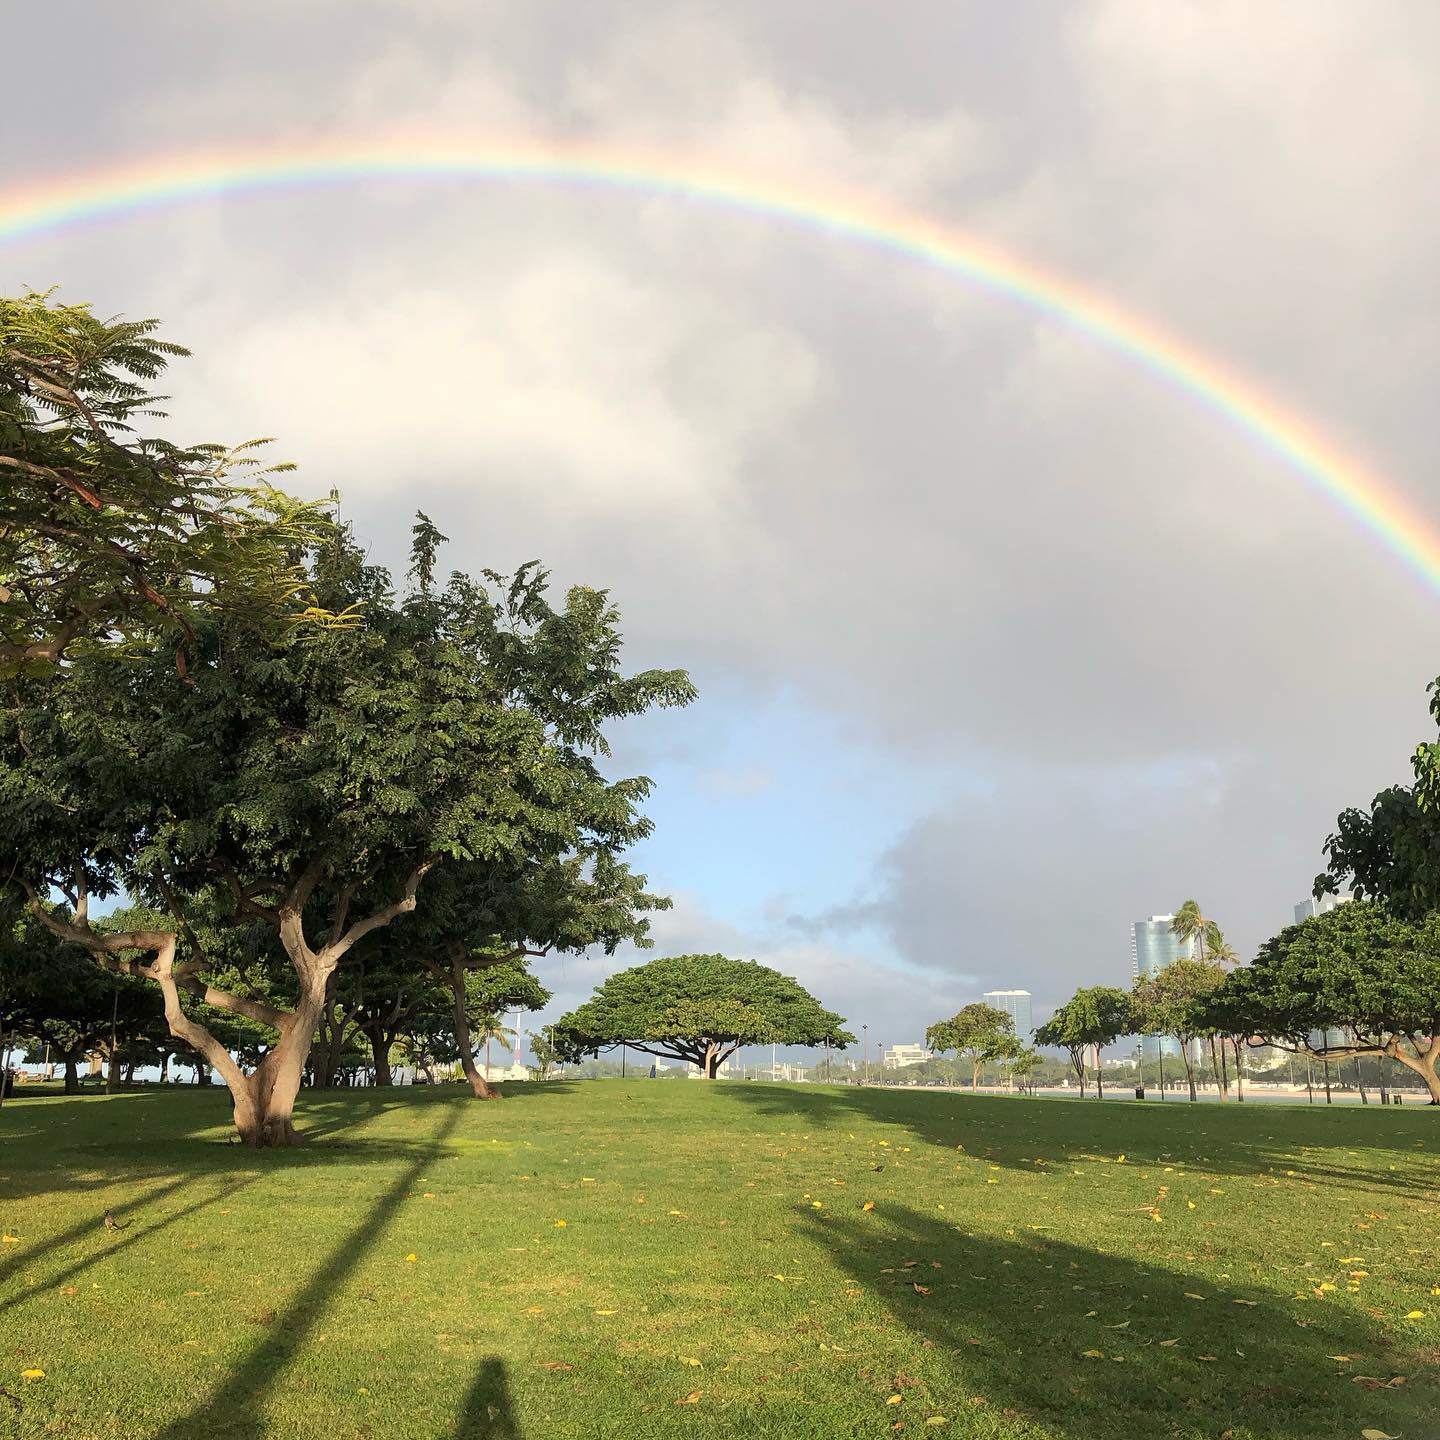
(657, 1259)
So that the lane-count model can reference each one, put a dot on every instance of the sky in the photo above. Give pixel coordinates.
(1002, 643)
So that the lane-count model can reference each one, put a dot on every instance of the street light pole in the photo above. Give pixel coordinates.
(865, 1042)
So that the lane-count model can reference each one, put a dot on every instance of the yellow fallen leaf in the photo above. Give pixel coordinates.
(607, 1312)
(1351, 1259)
(412, 1257)
(1119, 1159)
(894, 1399)
(534, 1309)
(1093, 1354)
(1190, 1295)
(1246, 1302)
(1190, 1203)
(1416, 1315)
(1123, 1325)
(1377, 1435)
(693, 1398)
(936, 1420)
(1169, 1342)
(561, 1224)
(1343, 1359)
(1158, 1219)
(587, 1179)
(868, 1205)
(688, 1360)
(817, 1204)
(992, 1181)
(32, 1374)
(1205, 1357)
(10, 1239)
(1326, 1286)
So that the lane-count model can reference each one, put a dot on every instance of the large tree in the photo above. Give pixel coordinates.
(314, 782)
(110, 535)
(697, 1008)
(1358, 969)
(1172, 1002)
(979, 1033)
(1091, 1019)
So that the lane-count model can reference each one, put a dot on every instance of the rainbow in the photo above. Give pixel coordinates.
(37, 210)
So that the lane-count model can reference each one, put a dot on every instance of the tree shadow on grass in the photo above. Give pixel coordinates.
(1039, 1134)
(106, 1243)
(488, 1411)
(236, 1410)
(1004, 1325)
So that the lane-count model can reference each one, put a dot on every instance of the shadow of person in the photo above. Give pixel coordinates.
(1085, 1344)
(488, 1412)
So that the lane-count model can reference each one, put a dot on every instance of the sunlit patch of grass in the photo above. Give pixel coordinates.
(655, 1259)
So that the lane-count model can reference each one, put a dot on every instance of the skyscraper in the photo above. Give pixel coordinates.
(1016, 1004)
(1153, 946)
(1311, 906)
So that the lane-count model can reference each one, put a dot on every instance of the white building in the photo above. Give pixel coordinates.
(1311, 907)
(897, 1057)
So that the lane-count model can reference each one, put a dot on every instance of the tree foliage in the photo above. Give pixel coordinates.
(697, 1008)
(979, 1033)
(311, 784)
(108, 534)
(1092, 1018)
(1358, 969)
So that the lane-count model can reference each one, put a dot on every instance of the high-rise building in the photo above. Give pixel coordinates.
(1016, 1004)
(1153, 946)
(1310, 907)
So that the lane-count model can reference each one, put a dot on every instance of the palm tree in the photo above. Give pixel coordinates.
(1190, 923)
(1223, 957)
(489, 1028)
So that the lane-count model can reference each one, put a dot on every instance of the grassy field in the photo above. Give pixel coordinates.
(643, 1259)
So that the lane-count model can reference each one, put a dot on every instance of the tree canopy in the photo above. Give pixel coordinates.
(979, 1032)
(107, 534)
(1092, 1018)
(697, 1008)
(1357, 969)
(312, 783)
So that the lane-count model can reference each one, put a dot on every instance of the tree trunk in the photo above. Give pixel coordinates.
(1215, 1067)
(112, 1073)
(72, 1069)
(1239, 1071)
(478, 1087)
(380, 1050)
(1099, 1081)
(1189, 1060)
(165, 1068)
(974, 1074)
(1423, 1064)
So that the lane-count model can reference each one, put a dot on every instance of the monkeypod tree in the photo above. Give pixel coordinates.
(697, 1008)
(979, 1033)
(1358, 969)
(108, 536)
(1094, 1017)
(310, 784)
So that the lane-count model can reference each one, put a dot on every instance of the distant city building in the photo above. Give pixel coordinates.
(1153, 946)
(897, 1057)
(1016, 1004)
(1307, 909)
